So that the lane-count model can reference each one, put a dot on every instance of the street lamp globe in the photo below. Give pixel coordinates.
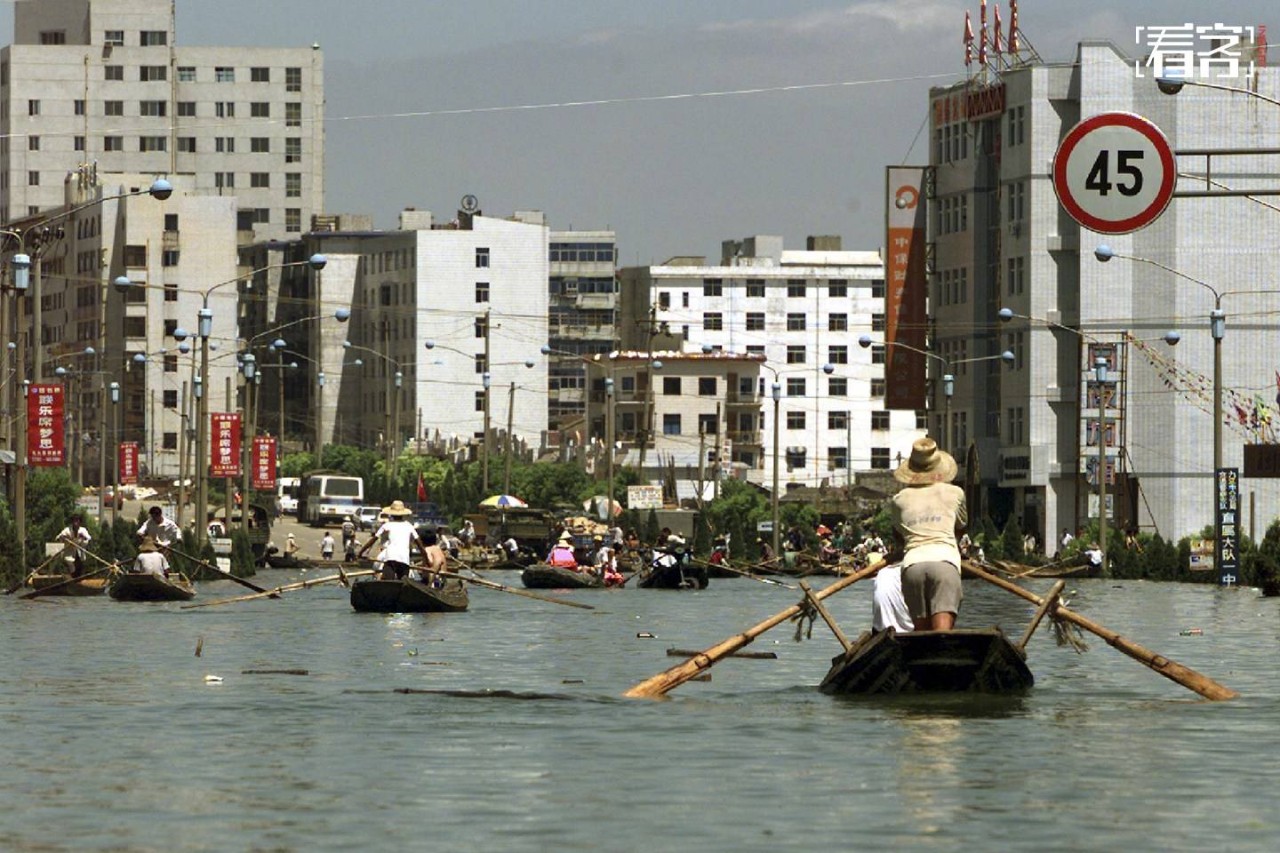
(160, 189)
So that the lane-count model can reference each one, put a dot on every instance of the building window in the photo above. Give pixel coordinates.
(224, 75)
(260, 109)
(186, 74)
(795, 420)
(877, 353)
(262, 215)
(153, 143)
(170, 441)
(837, 322)
(880, 420)
(33, 143)
(795, 386)
(113, 143)
(482, 363)
(154, 38)
(79, 106)
(153, 109)
(113, 38)
(482, 291)
(260, 75)
(671, 386)
(671, 424)
(170, 400)
(260, 180)
(260, 145)
(293, 150)
(224, 144)
(113, 73)
(877, 387)
(1016, 208)
(293, 219)
(755, 321)
(33, 179)
(293, 115)
(880, 458)
(79, 143)
(838, 420)
(186, 109)
(877, 322)
(169, 258)
(795, 288)
(153, 73)
(224, 180)
(664, 300)
(224, 109)
(795, 354)
(1017, 268)
(755, 288)
(708, 425)
(706, 386)
(837, 386)
(796, 458)
(877, 288)
(480, 395)
(53, 37)
(482, 257)
(795, 322)
(113, 108)
(187, 144)
(293, 79)
(293, 185)
(712, 287)
(838, 354)
(170, 364)
(135, 256)
(171, 295)
(838, 458)
(837, 288)
(170, 326)
(712, 322)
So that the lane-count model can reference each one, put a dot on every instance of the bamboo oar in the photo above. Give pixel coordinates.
(1170, 669)
(504, 588)
(663, 682)
(20, 584)
(1049, 603)
(227, 575)
(740, 572)
(48, 589)
(289, 587)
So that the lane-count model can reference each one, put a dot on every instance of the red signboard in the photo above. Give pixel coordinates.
(264, 462)
(127, 473)
(46, 445)
(224, 449)
(905, 289)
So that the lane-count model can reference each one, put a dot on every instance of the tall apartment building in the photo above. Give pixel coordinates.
(583, 312)
(105, 82)
(804, 311)
(475, 288)
(1001, 239)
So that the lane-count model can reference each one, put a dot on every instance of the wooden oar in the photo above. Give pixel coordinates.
(307, 584)
(48, 589)
(663, 682)
(1172, 670)
(227, 575)
(504, 588)
(740, 572)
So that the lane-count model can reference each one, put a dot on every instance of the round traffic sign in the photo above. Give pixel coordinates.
(1114, 173)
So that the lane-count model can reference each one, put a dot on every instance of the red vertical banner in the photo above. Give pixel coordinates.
(128, 463)
(224, 448)
(46, 444)
(264, 462)
(906, 288)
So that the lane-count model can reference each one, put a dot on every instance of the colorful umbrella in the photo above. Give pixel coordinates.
(599, 506)
(503, 501)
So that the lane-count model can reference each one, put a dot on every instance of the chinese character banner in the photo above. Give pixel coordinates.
(264, 462)
(46, 441)
(224, 446)
(128, 470)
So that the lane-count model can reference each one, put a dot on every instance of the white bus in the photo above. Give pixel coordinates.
(287, 494)
(328, 496)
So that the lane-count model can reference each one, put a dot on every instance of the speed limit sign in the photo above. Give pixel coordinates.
(1114, 173)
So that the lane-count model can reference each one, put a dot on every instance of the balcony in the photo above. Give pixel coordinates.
(582, 332)
(738, 398)
(596, 301)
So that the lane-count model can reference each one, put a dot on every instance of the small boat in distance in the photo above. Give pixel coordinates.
(408, 596)
(974, 660)
(143, 586)
(543, 576)
(66, 585)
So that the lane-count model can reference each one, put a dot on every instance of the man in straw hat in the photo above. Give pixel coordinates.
(926, 516)
(149, 560)
(398, 540)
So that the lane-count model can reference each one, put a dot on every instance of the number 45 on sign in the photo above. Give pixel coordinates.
(1114, 173)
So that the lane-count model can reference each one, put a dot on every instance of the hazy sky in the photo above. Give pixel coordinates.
(670, 175)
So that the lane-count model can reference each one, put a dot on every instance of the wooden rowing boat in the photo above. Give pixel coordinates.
(974, 660)
(65, 585)
(143, 586)
(408, 596)
(543, 576)
(675, 576)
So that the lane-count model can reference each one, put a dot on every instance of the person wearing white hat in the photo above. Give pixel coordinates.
(562, 553)
(291, 546)
(398, 539)
(926, 516)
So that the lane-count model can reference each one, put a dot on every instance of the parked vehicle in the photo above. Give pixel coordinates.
(287, 493)
(325, 497)
(367, 518)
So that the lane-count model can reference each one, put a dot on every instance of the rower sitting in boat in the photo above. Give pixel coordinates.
(888, 608)
(562, 555)
(149, 560)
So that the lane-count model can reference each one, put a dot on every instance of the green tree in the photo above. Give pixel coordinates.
(1010, 543)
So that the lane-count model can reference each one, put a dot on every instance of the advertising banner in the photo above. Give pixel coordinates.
(46, 440)
(264, 463)
(906, 288)
(128, 462)
(224, 445)
(1227, 524)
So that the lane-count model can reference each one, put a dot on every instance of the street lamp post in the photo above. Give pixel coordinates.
(115, 491)
(609, 441)
(249, 366)
(319, 419)
(777, 408)
(1100, 377)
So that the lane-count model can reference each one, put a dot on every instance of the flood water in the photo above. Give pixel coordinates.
(113, 739)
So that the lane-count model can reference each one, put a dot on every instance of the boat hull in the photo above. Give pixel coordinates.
(982, 661)
(137, 586)
(543, 576)
(674, 577)
(85, 587)
(408, 596)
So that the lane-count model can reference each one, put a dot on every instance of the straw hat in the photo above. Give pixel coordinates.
(291, 536)
(926, 464)
(148, 545)
(397, 510)
(565, 537)
(675, 540)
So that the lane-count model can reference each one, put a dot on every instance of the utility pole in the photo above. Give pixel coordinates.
(648, 394)
(511, 411)
(484, 448)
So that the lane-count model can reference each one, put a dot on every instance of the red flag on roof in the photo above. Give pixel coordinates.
(968, 40)
(995, 33)
(1011, 43)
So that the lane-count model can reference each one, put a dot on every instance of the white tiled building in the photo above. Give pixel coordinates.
(802, 310)
(105, 82)
(1002, 240)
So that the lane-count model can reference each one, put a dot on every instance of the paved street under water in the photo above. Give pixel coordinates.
(114, 740)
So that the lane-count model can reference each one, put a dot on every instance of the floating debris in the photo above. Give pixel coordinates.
(644, 635)
(213, 679)
(1192, 632)
(275, 672)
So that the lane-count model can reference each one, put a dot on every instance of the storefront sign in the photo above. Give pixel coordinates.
(46, 444)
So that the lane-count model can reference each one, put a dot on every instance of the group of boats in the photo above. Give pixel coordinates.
(119, 585)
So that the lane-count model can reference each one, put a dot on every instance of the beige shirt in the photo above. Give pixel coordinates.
(927, 518)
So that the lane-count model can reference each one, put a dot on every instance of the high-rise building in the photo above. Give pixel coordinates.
(105, 82)
(1002, 240)
(583, 312)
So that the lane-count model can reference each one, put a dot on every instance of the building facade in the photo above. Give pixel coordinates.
(804, 312)
(583, 314)
(1002, 240)
(105, 82)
